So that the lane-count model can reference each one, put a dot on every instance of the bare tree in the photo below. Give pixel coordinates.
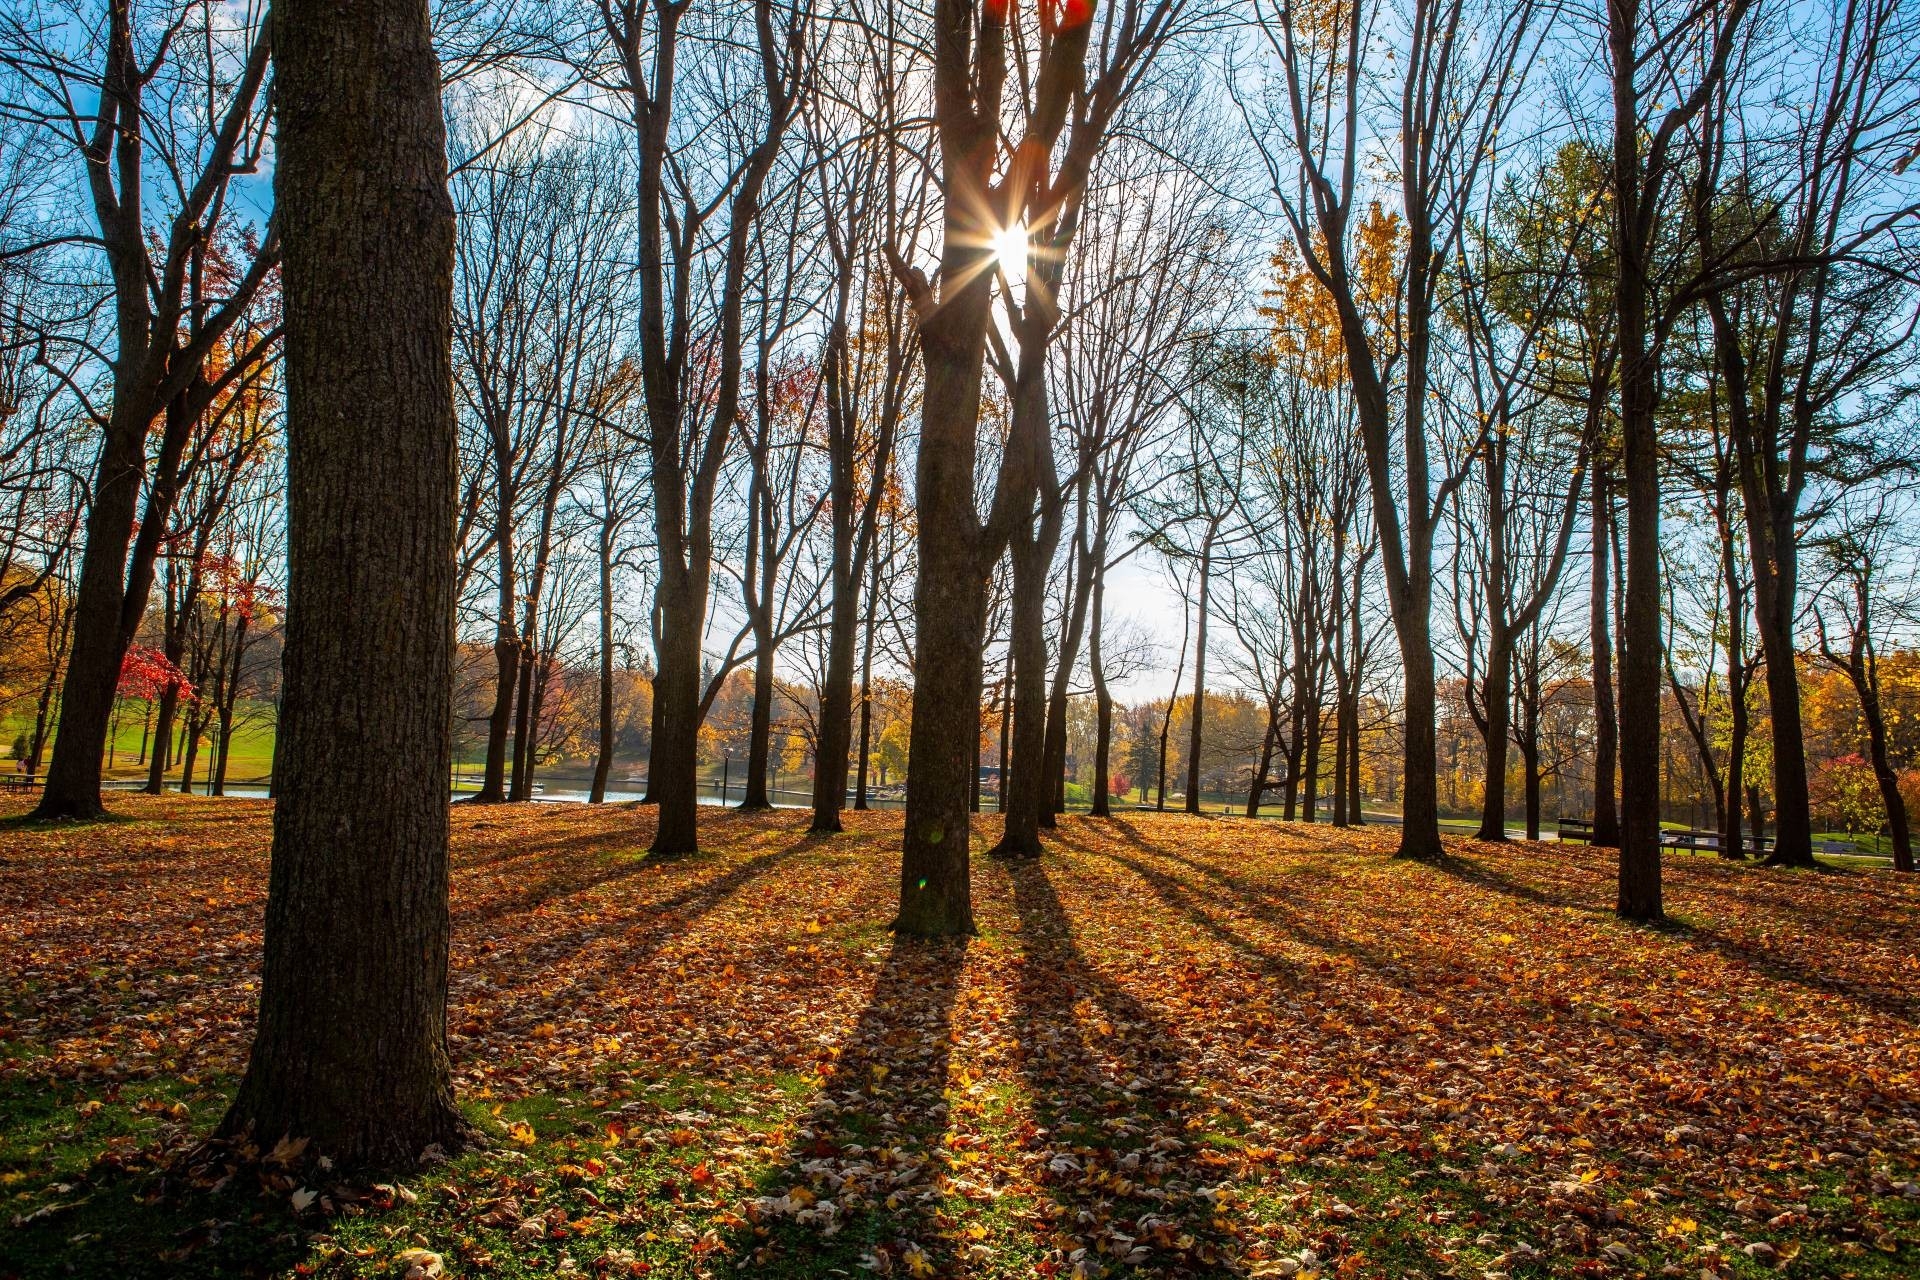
(684, 343)
(1465, 66)
(973, 46)
(1863, 599)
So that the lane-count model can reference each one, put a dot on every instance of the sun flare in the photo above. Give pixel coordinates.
(1010, 252)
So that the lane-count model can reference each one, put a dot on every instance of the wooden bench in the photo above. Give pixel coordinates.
(1709, 842)
(1574, 829)
(19, 783)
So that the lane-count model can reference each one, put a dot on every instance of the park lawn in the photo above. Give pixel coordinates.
(251, 761)
(1178, 1046)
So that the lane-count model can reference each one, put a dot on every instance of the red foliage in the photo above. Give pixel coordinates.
(147, 674)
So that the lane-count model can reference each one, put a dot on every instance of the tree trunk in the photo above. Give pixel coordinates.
(1257, 786)
(603, 755)
(1196, 713)
(1606, 727)
(760, 730)
(1885, 775)
(949, 601)
(672, 766)
(866, 690)
(1027, 788)
(160, 762)
(1420, 783)
(1530, 761)
(836, 695)
(351, 1047)
(1639, 896)
(195, 725)
(72, 788)
(506, 644)
(1354, 815)
(1080, 593)
(1102, 696)
(1773, 616)
(1496, 703)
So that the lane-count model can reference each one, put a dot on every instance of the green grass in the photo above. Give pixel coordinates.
(250, 761)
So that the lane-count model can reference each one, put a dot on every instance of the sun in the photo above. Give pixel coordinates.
(1009, 245)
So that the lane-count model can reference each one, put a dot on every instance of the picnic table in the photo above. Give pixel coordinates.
(19, 782)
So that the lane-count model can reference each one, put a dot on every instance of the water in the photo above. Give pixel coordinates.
(564, 793)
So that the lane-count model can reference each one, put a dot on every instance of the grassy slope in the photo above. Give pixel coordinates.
(1178, 1047)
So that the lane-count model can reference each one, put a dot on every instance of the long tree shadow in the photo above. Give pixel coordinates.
(562, 963)
(1401, 960)
(1119, 1143)
(1801, 970)
(1887, 999)
(859, 1184)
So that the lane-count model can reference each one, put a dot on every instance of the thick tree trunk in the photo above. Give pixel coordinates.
(72, 788)
(935, 897)
(672, 766)
(1773, 615)
(350, 1049)
(1420, 783)
(1027, 788)
(1639, 896)
(949, 605)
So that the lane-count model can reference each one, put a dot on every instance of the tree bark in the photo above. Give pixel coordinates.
(866, 689)
(603, 755)
(1196, 713)
(1606, 727)
(351, 1049)
(1080, 595)
(949, 605)
(1639, 896)
(1102, 696)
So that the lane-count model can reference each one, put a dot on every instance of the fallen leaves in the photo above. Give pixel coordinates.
(1178, 1047)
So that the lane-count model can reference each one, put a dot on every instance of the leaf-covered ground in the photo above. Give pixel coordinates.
(1178, 1047)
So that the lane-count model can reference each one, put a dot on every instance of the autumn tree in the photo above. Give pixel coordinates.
(1665, 62)
(1466, 64)
(351, 1047)
(689, 231)
(1863, 599)
(973, 46)
(186, 83)
(1811, 310)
